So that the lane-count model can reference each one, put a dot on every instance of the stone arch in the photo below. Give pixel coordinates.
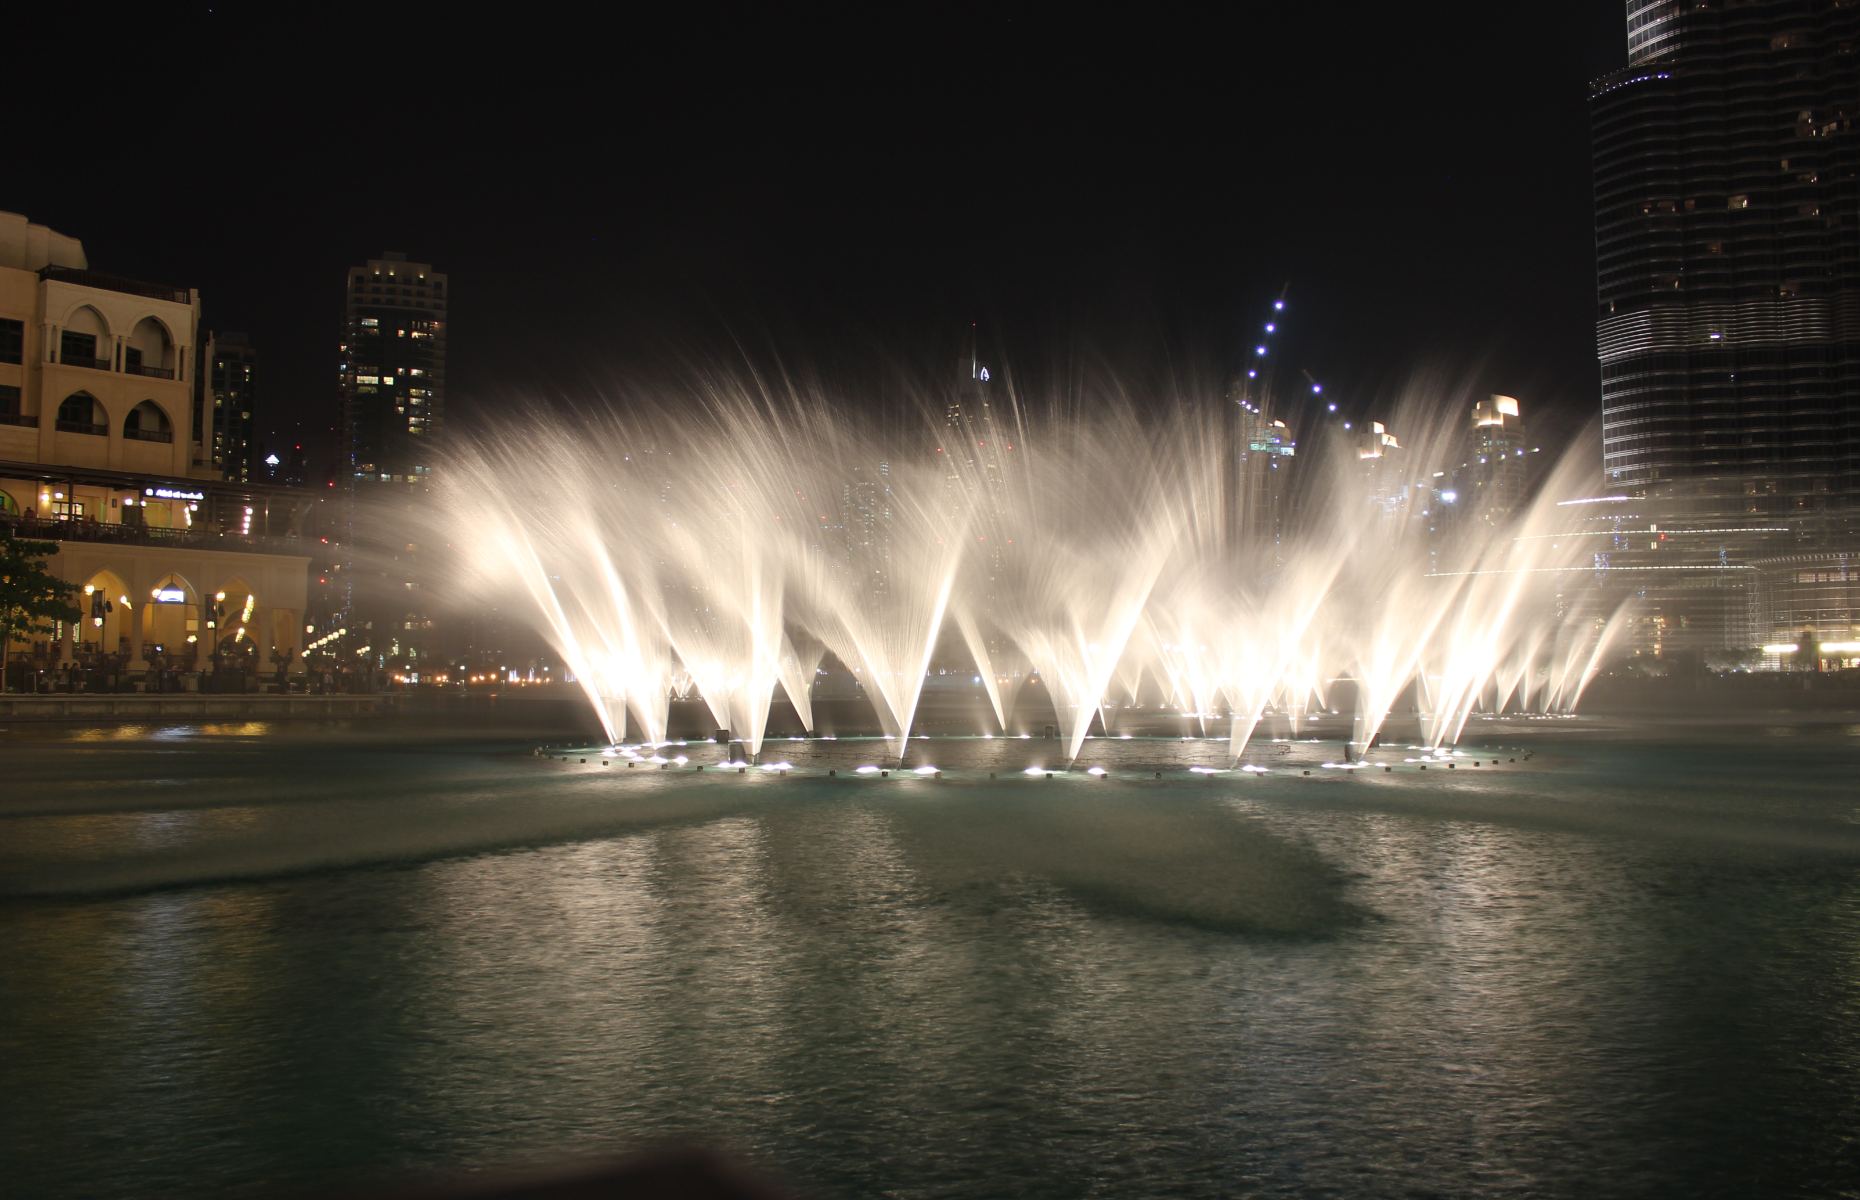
(237, 602)
(171, 623)
(148, 422)
(105, 610)
(8, 505)
(81, 412)
(150, 349)
(85, 338)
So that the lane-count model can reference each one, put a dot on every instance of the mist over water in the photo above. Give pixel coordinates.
(727, 544)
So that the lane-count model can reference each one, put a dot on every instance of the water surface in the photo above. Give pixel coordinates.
(239, 960)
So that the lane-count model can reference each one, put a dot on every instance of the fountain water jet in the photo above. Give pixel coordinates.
(761, 537)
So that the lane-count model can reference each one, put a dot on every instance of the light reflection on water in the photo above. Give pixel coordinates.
(171, 733)
(1634, 970)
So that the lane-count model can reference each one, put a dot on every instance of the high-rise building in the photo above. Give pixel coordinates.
(1727, 227)
(230, 382)
(392, 389)
(1262, 452)
(296, 467)
(1491, 480)
(865, 526)
(392, 379)
(976, 451)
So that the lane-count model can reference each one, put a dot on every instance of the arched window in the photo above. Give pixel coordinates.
(149, 351)
(80, 413)
(85, 340)
(146, 422)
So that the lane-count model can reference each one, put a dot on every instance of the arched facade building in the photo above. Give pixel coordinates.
(100, 453)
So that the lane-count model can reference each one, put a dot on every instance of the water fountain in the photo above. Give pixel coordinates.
(730, 546)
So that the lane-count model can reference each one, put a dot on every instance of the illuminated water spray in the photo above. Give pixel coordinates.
(730, 548)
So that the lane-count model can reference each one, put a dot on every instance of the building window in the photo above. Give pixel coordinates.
(148, 423)
(12, 341)
(80, 413)
(9, 405)
(79, 348)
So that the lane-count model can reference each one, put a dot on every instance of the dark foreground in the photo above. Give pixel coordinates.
(246, 961)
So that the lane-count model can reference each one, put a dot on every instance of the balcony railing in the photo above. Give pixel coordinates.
(151, 372)
(116, 283)
(149, 435)
(197, 537)
(23, 420)
(83, 427)
(95, 364)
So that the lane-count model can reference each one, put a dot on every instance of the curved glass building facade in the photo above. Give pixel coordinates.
(1727, 225)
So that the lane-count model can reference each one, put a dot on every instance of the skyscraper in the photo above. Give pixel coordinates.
(393, 370)
(976, 452)
(230, 386)
(1260, 457)
(392, 390)
(1727, 227)
(1491, 481)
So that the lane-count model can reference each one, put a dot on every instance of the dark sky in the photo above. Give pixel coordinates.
(611, 199)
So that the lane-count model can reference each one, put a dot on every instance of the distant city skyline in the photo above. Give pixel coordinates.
(1087, 197)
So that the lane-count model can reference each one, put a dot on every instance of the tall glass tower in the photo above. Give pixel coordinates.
(1727, 231)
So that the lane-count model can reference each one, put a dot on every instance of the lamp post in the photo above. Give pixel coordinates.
(216, 620)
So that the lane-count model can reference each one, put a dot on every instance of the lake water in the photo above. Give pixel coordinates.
(238, 960)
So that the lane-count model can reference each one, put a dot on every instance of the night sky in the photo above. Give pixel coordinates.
(848, 195)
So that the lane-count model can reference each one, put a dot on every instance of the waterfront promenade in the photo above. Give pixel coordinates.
(181, 706)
